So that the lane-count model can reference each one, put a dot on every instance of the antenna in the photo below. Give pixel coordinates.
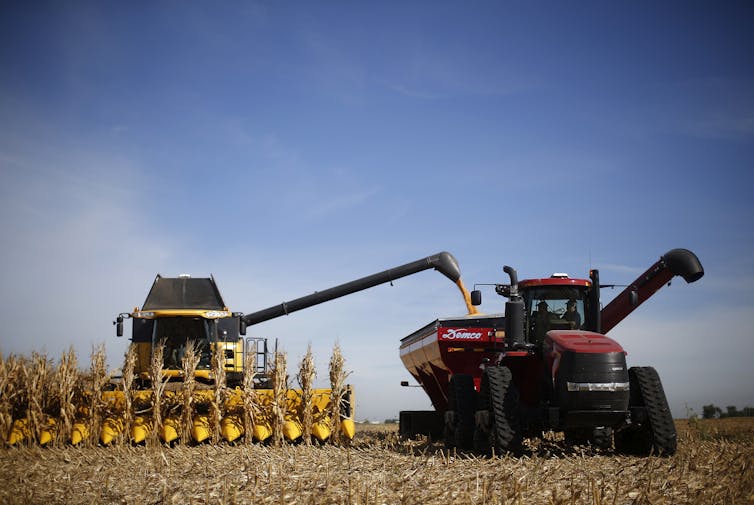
(590, 260)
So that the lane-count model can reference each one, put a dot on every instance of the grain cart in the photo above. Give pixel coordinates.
(546, 364)
(184, 312)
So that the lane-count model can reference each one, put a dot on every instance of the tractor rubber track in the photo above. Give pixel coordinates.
(657, 433)
(505, 430)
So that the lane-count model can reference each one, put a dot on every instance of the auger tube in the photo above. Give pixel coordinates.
(681, 262)
(443, 262)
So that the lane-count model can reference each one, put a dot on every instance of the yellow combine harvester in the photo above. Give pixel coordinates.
(191, 375)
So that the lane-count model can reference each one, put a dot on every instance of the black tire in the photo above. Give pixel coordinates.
(504, 429)
(481, 429)
(577, 436)
(462, 400)
(602, 438)
(656, 434)
(599, 438)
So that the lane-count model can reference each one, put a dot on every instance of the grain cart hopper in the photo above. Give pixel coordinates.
(184, 312)
(546, 364)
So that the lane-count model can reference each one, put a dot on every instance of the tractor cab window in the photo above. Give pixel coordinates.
(179, 332)
(553, 308)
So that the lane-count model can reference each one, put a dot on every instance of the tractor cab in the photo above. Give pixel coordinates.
(536, 306)
(554, 303)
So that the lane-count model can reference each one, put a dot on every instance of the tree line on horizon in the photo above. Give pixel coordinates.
(712, 411)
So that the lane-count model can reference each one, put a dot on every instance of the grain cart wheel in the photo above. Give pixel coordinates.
(498, 418)
(482, 418)
(655, 431)
(459, 420)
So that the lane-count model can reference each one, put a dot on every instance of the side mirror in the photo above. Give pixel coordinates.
(242, 326)
(118, 326)
(476, 297)
(404, 384)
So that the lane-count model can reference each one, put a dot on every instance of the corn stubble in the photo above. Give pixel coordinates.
(713, 465)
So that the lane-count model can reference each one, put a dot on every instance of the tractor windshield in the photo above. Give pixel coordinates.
(553, 308)
(177, 332)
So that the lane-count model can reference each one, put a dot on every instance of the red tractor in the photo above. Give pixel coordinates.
(546, 364)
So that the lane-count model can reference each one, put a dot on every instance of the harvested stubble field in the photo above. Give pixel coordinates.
(713, 465)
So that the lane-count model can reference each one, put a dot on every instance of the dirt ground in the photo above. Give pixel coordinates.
(713, 465)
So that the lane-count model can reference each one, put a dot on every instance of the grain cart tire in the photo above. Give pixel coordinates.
(482, 418)
(459, 425)
(655, 433)
(504, 429)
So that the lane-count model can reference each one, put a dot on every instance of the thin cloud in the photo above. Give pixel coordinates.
(341, 203)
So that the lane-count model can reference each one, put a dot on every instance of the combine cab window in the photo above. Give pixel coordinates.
(177, 333)
(553, 308)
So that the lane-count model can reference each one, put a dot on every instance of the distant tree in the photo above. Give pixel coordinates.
(731, 411)
(711, 411)
(748, 412)
(391, 421)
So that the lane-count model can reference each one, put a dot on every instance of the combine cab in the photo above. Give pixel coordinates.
(546, 364)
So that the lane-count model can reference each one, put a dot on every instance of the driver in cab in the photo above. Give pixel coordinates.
(572, 316)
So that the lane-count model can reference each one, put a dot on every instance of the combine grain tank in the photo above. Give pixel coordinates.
(545, 365)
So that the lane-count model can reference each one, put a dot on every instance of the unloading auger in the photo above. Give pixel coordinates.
(227, 388)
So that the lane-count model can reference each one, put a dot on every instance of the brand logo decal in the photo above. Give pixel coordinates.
(461, 334)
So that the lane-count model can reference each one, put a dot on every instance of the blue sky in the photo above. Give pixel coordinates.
(289, 147)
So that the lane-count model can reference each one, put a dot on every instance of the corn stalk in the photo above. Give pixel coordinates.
(158, 389)
(189, 362)
(338, 375)
(67, 377)
(250, 402)
(219, 392)
(306, 376)
(279, 390)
